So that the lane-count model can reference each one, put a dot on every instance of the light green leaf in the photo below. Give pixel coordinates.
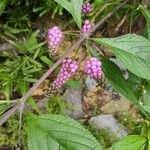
(47, 131)
(46, 60)
(74, 7)
(132, 50)
(131, 142)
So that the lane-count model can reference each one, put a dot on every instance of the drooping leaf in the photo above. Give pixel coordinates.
(132, 50)
(47, 131)
(131, 142)
(119, 83)
(74, 7)
(116, 79)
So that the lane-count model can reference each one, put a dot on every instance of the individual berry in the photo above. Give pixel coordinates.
(86, 8)
(93, 68)
(54, 38)
(68, 68)
(87, 26)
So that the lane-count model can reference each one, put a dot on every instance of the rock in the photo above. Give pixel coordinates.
(116, 106)
(110, 123)
(73, 98)
(90, 83)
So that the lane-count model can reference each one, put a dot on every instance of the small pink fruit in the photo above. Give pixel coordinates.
(54, 38)
(93, 68)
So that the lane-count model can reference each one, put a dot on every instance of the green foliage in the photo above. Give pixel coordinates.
(58, 132)
(74, 7)
(19, 71)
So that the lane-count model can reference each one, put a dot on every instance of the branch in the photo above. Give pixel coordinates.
(68, 51)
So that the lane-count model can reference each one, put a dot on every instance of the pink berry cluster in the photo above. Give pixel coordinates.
(87, 26)
(86, 8)
(54, 38)
(68, 68)
(93, 68)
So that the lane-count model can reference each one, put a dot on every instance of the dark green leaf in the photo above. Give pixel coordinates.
(119, 83)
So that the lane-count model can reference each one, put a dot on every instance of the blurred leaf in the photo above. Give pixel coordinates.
(57, 131)
(131, 142)
(3, 4)
(74, 7)
(132, 50)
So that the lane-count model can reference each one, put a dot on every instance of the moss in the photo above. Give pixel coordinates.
(104, 136)
(9, 133)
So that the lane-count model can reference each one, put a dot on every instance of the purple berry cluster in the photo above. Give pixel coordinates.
(93, 68)
(54, 39)
(87, 26)
(68, 68)
(86, 8)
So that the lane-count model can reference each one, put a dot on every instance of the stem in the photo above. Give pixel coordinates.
(68, 51)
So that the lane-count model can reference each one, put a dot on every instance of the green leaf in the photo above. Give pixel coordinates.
(74, 7)
(146, 14)
(119, 83)
(132, 50)
(3, 4)
(49, 132)
(131, 142)
(73, 84)
(46, 60)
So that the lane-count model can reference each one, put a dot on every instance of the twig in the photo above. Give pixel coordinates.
(70, 49)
